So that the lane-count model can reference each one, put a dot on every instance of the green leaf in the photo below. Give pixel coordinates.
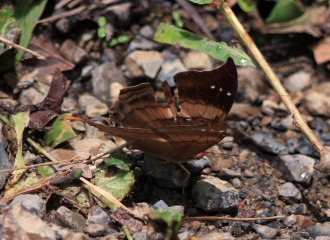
(179, 37)
(177, 18)
(102, 21)
(117, 182)
(61, 132)
(46, 171)
(27, 14)
(116, 160)
(247, 5)
(284, 11)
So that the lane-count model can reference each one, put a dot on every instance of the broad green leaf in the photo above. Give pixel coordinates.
(61, 132)
(117, 182)
(247, 5)
(284, 11)
(116, 161)
(27, 13)
(46, 171)
(179, 37)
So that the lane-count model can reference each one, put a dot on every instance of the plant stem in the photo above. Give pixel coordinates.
(273, 79)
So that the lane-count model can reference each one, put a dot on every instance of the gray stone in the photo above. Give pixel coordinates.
(197, 165)
(143, 63)
(160, 204)
(93, 107)
(73, 52)
(317, 100)
(95, 230)
(229, 173)
(297, 168)
(70, 219)
(32, 203)
(197, 60)
(212, 194)
(266, 142)
(218, 236)
(266, 232)
(290, 220)
(319, 230)
(103, 76)
(140, 236)
(289, 191)
(98, 216)
(185, 235)
(297, 81)
(142, 40)
(4, 164)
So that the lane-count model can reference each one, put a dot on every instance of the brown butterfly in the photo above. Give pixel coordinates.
(159, 129)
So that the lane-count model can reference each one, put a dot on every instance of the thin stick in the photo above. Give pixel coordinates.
(273, 79)
(10, 43)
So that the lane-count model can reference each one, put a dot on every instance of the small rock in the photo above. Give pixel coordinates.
(115, 88)
(32, 203)
(93, 107)
(298, 168)
(4, 163)
(179, 209)
(98, 216)
(289, 191)
(303, 221)
(317, 100)
(76, 236)
(290, 220)
(34, 95)
(197, 60)
(143, 63)
(266, 142)
(242, 111)
(60, 232)
(319, 230)
(185, 235)
(322, 238)
(170, 67)
(297, 81)
(103, 76)
(70, 219)
(266, 232)
(73, 52)
(237, 183)
(253, 82)
(229, 173)
(140, 236)
(160, 204)
(227, 142)
(197, 165)
(248, 173)
(212, 194)
(217, 236)
(95, 230)
(142, 40)
(68, 104)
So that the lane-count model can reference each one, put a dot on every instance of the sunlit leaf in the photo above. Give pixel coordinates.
(179, 37)
(284, 11)
(61, 132)
(247, 5)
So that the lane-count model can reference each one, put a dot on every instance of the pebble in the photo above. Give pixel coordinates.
(229, 174)
(319, 230)
(97, 215)
(197, 60)
(76, 236)
(212, 194)
(103, 76)
(32, 203)
(242, 111)
(317, 100)
(141, 236)
(297, 168)
(160, 204)
(197, 165)
(60, 232)
(95, 230)
(266, 232)
(142, 40)
(143, 63)
(217, 236)
(304, 221)
(297, 81)
(93, 107)
(70, 219)
(73, 52)
(289, 192)
(185, 235)
(4, 163)
(252, 80)
(266, 142)
(171, 66)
